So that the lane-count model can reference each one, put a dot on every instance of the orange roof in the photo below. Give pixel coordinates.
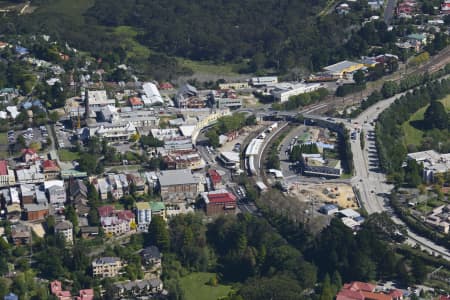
(49, 165)
(134, 101)
(375, 296)
(359, 286)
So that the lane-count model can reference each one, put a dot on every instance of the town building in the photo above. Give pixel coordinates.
(21, 235)
(57, 196)
(35, 211)
(151, 256)
(65, 228)
(187, 97)
(7, 177)
(433, 162)
(158, 209)
(230, 160)
(104, 267)
(140, 118)
(263, 81)
(184, 159)
(215, 179)
(29, 155)
(78, 196)
(329, 209)
(224, 98)
(283, 91)
(114, 132)
(365, 291)
(343, 68)
(138, 288)
(136, 103)
(29, 174)
(116, 222)
(143, 215)
(234, 85)
(177, 185)
(50, 169)
(219, 202)
(96, 100)
(151, 95)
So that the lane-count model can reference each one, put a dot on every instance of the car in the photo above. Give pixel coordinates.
(330, 119)
(372, 191)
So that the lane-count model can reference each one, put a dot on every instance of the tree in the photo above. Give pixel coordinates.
(359, 77)
(87, 163)
(213, 138)
(158, 233)
(436, 116)
(53, 116)
(419, 270)
(327, 289)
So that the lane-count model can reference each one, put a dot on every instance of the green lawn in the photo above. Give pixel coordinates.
(195, 287)
(73, 9)
(210, 68)
(66, 155)
(413, 136)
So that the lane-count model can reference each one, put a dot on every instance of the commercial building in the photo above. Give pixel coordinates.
(50, 169)
(234, 85)
(143, 215)
(57, 196)
(7, 177)
(140, 118)
(230, 160)
(35, 212)
(184, 159)
(187, 97)
(433, 162)
(224, 99)
(158, 209)
(283, 91)
(178, 185)
(329, 209)
(341, 69)
(264, 81)
(114, 132)
(30, 174)
(151, 95)
(65, 228)
(96, 100)
(104, 267)
(219, 202)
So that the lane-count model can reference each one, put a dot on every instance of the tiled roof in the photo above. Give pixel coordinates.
(3, 167)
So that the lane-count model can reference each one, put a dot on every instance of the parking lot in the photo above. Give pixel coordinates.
(30, 135)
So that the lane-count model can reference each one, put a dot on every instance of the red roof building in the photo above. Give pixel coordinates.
(50, 169)
(87, 294)
(3, 168)
(136, 102)
(105, 211)
(166, 86)
(56, 289)
(29, 155)
(216, 179)
(357, 290)
(219, 202)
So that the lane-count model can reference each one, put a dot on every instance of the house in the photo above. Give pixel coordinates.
(7, 177)
(86, 294)
(103, 188)
(89, 231)
(215, 179)
(150, 256)
(143, 215)
(365, 291)
(57, 291)
(104, 267)
(50, 169)
(78, 196)
(35, 211)
(21, 235)
(11, 296)
(57, 196)
(115, 222)
(138, 288)
(219, 202)
(27, 191)
(136, 103)
(65, 228)
(29, 155)
(136, 180)
(158, 209)
(418, 37)
(177, 185)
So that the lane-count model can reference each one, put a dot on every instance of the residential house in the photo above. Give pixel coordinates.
(78, 196)
(136, 103)
(143, 215)
(50, 169)
(29, 155)
(365, 291)
(7, 177)
(158, 209)
(151, 256)
(21, 235)
(89, 232)
(28, 193)
(57, 196)
(35, 211)
(57, 291)
(104, 267)
(65, 228)
(115, 222)
(136, 180)
(138, 288)
(86, 294)
(219, 202)
(177, 185)
(103, 188)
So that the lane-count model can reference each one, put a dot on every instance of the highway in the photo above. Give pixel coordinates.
(371, 183)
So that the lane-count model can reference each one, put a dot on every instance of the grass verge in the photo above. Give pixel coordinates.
(195, 287)
(67, 155)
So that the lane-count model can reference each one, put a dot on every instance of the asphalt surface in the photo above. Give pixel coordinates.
(389, 11)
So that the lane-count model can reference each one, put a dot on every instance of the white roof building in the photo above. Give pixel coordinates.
(151, 94)
(283, 91)
(433, 163)
(98, 99)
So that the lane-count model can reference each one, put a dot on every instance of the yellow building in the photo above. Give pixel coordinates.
(341, 69)
(233, 85)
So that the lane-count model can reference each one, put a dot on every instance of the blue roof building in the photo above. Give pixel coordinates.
(11, 296)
